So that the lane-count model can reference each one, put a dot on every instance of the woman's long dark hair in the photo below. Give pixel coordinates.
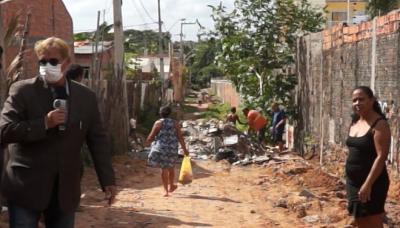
(376, 107)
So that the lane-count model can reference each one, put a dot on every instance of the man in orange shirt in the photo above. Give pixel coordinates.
(257, 122)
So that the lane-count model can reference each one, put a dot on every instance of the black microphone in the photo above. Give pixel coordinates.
(61, 104)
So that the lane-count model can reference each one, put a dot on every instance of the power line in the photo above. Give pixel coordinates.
(126, 26)
(137, 10)
(147, 12)
(173, 25)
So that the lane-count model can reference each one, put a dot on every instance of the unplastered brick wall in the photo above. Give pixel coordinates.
(225, 90)
(330, 64)
(48, 18)
(341, 34)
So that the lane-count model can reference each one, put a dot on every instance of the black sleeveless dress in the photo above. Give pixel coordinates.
(361, 157)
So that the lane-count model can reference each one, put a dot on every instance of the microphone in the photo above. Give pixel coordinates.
(61, 104)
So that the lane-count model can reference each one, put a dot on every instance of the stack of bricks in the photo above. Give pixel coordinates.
(340, 34)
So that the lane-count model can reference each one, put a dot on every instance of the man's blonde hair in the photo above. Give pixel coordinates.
(52, 42)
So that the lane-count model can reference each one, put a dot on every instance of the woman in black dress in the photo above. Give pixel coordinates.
(367, 181)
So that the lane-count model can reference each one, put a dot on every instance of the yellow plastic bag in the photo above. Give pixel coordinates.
(186, 175)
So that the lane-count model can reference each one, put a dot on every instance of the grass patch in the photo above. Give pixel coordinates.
(221, 110)
(191, 98)
(217, 111)
(189, 109)
(146, 120)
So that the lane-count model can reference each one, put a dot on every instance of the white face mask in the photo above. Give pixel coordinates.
(51, 74)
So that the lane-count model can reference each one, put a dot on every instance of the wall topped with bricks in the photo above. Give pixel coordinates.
(341, 34)
(330, 64)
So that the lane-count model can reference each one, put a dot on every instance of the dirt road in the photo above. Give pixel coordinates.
(275, 195)
(220, 196)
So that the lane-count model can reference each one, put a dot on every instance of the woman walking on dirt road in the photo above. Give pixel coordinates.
(367, 180)
(166, 134)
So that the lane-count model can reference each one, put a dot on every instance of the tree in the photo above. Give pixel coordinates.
(203, 66)
(258, 40)
(381, 7)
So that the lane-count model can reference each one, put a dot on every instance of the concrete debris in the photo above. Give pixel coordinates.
(307, 193)
(340, 194)
(296, 171)
(282, 203)
(221, 141)
(301, 211)
(311, 218)
(214, 139)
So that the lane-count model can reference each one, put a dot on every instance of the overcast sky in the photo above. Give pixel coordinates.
(142, 14)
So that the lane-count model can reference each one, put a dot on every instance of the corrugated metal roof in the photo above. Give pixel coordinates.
(145, 63)
(90, 48)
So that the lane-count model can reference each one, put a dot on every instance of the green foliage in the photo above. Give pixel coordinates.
(138, 41)
(147, 118)
(258, 38)
(135, 41)
(104, 34)
(131, 74)
(203, 67)
(217, 111)
(381, 7)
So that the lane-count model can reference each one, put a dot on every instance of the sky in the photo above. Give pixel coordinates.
(143, 14)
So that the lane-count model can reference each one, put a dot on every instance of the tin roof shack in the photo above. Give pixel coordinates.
(85, 55)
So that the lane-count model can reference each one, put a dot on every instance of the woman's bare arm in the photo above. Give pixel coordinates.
(180, 138)
(154, 131)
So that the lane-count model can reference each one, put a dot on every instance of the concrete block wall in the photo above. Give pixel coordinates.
(331, 64)
(225, 90)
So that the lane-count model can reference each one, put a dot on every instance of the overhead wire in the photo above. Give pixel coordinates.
(147, 12)
(139, 13)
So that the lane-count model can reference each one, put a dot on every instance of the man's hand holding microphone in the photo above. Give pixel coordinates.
(58, 116)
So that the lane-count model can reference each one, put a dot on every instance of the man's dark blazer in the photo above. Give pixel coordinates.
(38, 157)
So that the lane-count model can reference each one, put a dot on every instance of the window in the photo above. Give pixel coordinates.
(339, 16)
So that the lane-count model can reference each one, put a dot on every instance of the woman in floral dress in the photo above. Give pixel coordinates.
(164, 136)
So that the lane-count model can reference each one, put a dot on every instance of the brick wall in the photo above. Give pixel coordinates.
(48, 18)
(331, 63)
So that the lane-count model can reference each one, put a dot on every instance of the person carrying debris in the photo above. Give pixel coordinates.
(232, 117)
(257, 123)
(278, 125)
(165, 136)
(367, 180)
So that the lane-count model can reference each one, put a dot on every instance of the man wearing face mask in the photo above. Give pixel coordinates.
(42, 176)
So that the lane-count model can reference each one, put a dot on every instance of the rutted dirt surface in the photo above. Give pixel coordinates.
(221, 195)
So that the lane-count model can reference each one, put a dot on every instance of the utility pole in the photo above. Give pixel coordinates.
(118, 38)
(117, 101)
(181, 41)
(348, 12)
(160, 51)
(181, 35)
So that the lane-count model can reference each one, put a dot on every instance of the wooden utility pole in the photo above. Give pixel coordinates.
(116, 107)
(118, 37)
(160, 49)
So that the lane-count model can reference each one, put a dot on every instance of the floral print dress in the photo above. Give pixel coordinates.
(164, 149)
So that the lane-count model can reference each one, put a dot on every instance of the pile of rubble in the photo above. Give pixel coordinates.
(214, 139)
